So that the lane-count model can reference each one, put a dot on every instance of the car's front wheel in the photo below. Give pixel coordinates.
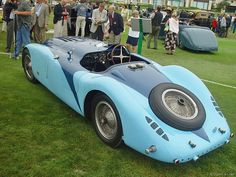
(106, 120)
(27, 66)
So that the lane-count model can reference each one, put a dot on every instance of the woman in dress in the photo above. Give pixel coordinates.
(172, 30)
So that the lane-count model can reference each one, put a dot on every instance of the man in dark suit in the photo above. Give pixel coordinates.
(116, 26)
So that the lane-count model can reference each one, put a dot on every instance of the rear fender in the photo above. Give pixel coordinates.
(131, 112)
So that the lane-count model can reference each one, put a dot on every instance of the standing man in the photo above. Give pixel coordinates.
(156, 26)
(81, 10)
(23, 19)
(41, 21)
(9, 7)
(99, 17)
(60, 18)
(116, 26)
(223, 26)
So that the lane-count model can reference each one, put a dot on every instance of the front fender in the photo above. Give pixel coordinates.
(40, 55)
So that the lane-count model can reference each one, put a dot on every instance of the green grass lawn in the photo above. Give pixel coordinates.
(41, 136)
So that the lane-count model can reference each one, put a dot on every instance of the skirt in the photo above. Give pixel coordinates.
(132, 41)
(170, 41)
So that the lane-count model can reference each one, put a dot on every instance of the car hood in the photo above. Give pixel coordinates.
(142, 79)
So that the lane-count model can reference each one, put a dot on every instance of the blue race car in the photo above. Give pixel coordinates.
(164, 112)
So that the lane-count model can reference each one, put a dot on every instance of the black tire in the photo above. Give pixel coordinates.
(177, 107)
(113, 139)
(27, 66)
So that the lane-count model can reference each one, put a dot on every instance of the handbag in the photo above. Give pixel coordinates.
(167, 27)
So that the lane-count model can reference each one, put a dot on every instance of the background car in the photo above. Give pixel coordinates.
(197, 38)
(164, 112)
(193, 37)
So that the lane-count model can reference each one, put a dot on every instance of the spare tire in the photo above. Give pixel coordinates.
(177, 107)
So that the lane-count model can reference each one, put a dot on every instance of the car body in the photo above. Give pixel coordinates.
(195, 38)
(164, 112)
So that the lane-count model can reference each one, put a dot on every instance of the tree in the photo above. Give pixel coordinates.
(222, 5)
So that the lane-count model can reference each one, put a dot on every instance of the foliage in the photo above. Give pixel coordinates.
(222, 5)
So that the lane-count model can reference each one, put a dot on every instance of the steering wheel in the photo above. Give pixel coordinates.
(120, 56)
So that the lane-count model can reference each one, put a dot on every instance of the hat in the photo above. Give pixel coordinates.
(169, 8)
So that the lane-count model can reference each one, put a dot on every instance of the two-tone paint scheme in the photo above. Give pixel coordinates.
(58, 64)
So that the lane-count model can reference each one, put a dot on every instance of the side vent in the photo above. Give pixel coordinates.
(157, 128)
(216, 106)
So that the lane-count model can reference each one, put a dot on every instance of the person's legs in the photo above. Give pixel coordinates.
(77, 26)
(64, 31)
(134, 49)
(117, 39)
(173, 42)
(226, 31)
(168, 43)
(100, 33)
(37, 34)
(149, 38)
(111, 39)
(10, 33)
(25, 35)
(58, 29)
(43, 34)
(156, 36)
(18, 43)
(83, 24)
(129, 47)
(93, 35)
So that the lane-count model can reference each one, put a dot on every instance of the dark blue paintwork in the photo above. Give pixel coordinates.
(143, 80)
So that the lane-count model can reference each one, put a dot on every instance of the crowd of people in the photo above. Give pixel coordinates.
(220, 24)
(27, 20)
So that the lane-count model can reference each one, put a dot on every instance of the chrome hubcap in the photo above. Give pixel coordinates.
(28, 66)
(179, 104)
(106, 120)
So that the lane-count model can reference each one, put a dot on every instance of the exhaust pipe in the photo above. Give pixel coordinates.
(151, 149)
(195, 158)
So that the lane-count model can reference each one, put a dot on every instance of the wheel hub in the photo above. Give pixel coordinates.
(179, 104)
(106, 120)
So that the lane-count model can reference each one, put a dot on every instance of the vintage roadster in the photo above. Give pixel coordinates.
(164, 112)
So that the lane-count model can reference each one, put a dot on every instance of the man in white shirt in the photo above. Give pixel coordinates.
(99, 17)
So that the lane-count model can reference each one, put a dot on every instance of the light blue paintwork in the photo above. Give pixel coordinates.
(133, 106)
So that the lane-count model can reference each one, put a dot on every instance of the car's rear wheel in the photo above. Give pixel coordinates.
(106, 120)
(177, 107)
(27, 65)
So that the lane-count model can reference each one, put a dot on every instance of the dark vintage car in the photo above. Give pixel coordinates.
(195, 38)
